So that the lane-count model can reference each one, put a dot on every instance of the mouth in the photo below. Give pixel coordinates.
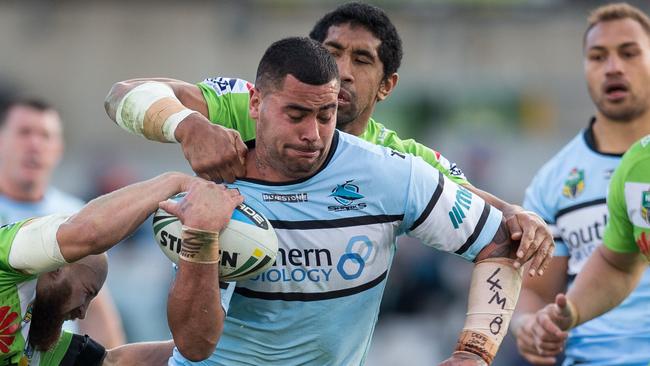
(615, 90)
(343, 97)
(305, 153)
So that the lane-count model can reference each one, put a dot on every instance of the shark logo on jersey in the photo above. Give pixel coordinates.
(346, 194)
(574, 184)
(645, 206)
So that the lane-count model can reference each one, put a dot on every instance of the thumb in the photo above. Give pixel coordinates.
(566, 312)
(170, 206)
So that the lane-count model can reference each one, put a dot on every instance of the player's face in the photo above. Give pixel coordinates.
(295, 126)
(355, 49)
(30, 145)
(617, 67)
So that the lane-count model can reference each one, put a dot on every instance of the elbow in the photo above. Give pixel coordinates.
(196, 347)
(117, 92)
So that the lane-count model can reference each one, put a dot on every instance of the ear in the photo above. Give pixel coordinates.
(386, 87)
(254, 101)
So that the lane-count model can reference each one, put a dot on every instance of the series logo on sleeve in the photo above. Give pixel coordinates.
(574, 184)
(645, 206)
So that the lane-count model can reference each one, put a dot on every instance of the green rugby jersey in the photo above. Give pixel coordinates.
(17, 292)
(227, 100)
(628, 201)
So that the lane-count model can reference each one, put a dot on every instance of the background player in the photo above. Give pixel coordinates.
(51, 269)
(31, 146)
(615, 269)
(569, 192)
(368, 52)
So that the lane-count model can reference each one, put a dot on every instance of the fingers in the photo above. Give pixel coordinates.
(547, 328)
(542, 256)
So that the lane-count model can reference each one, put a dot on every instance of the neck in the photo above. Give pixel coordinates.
(18, 191)
(615, 137)
(356, 127)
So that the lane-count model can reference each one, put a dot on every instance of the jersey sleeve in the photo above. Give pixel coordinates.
(447, 216)
(628, 201)
(227, 100)
(378, 134)
(536, 200)
(7, 235)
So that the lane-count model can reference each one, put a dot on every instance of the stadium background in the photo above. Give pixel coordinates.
(496, 86)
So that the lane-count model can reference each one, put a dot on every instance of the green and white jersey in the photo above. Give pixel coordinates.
(17, 292)
(628, 201)
(227, 100)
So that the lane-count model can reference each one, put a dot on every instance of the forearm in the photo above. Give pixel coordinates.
(194, 309)
(154, 108)
(605, 281)
(492, 298)
(135, 354)
(108, 219)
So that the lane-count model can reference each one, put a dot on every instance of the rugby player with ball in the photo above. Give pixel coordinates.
(51, 267)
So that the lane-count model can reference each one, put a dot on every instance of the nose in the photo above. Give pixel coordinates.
(613, 65)
(309, 130)
(344, 64)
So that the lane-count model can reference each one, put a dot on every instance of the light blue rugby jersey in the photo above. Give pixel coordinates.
(54, 201)
(318, 303)
(569, 193)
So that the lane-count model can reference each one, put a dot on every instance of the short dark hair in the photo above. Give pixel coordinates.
(33, 103)
(372, 18)
(616, 11)
(303, 58)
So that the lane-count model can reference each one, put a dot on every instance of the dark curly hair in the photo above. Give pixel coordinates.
(372, 18)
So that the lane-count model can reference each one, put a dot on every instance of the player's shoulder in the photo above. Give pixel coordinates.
(569, 156)
(226, 85)
(640, 150)
(377, 155)
(63, 201)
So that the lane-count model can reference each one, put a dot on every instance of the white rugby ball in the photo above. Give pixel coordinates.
(248, 244)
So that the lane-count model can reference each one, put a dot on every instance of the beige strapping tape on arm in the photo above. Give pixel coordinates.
(493, 295)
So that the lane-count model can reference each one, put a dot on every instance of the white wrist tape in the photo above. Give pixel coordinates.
(151, 110)
(35, 248)
(492, 298)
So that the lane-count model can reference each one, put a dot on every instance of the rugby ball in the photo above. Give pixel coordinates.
(248, 244)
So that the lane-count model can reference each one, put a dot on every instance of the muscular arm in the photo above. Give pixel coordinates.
(188, 94)
(492, 298)
(108, 219)
(605, 281)
(214, 152)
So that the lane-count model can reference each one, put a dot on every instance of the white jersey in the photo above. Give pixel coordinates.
(569, 193)
(318, 303)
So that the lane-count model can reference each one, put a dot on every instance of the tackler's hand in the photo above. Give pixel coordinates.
(536, 239)
(214, 152)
